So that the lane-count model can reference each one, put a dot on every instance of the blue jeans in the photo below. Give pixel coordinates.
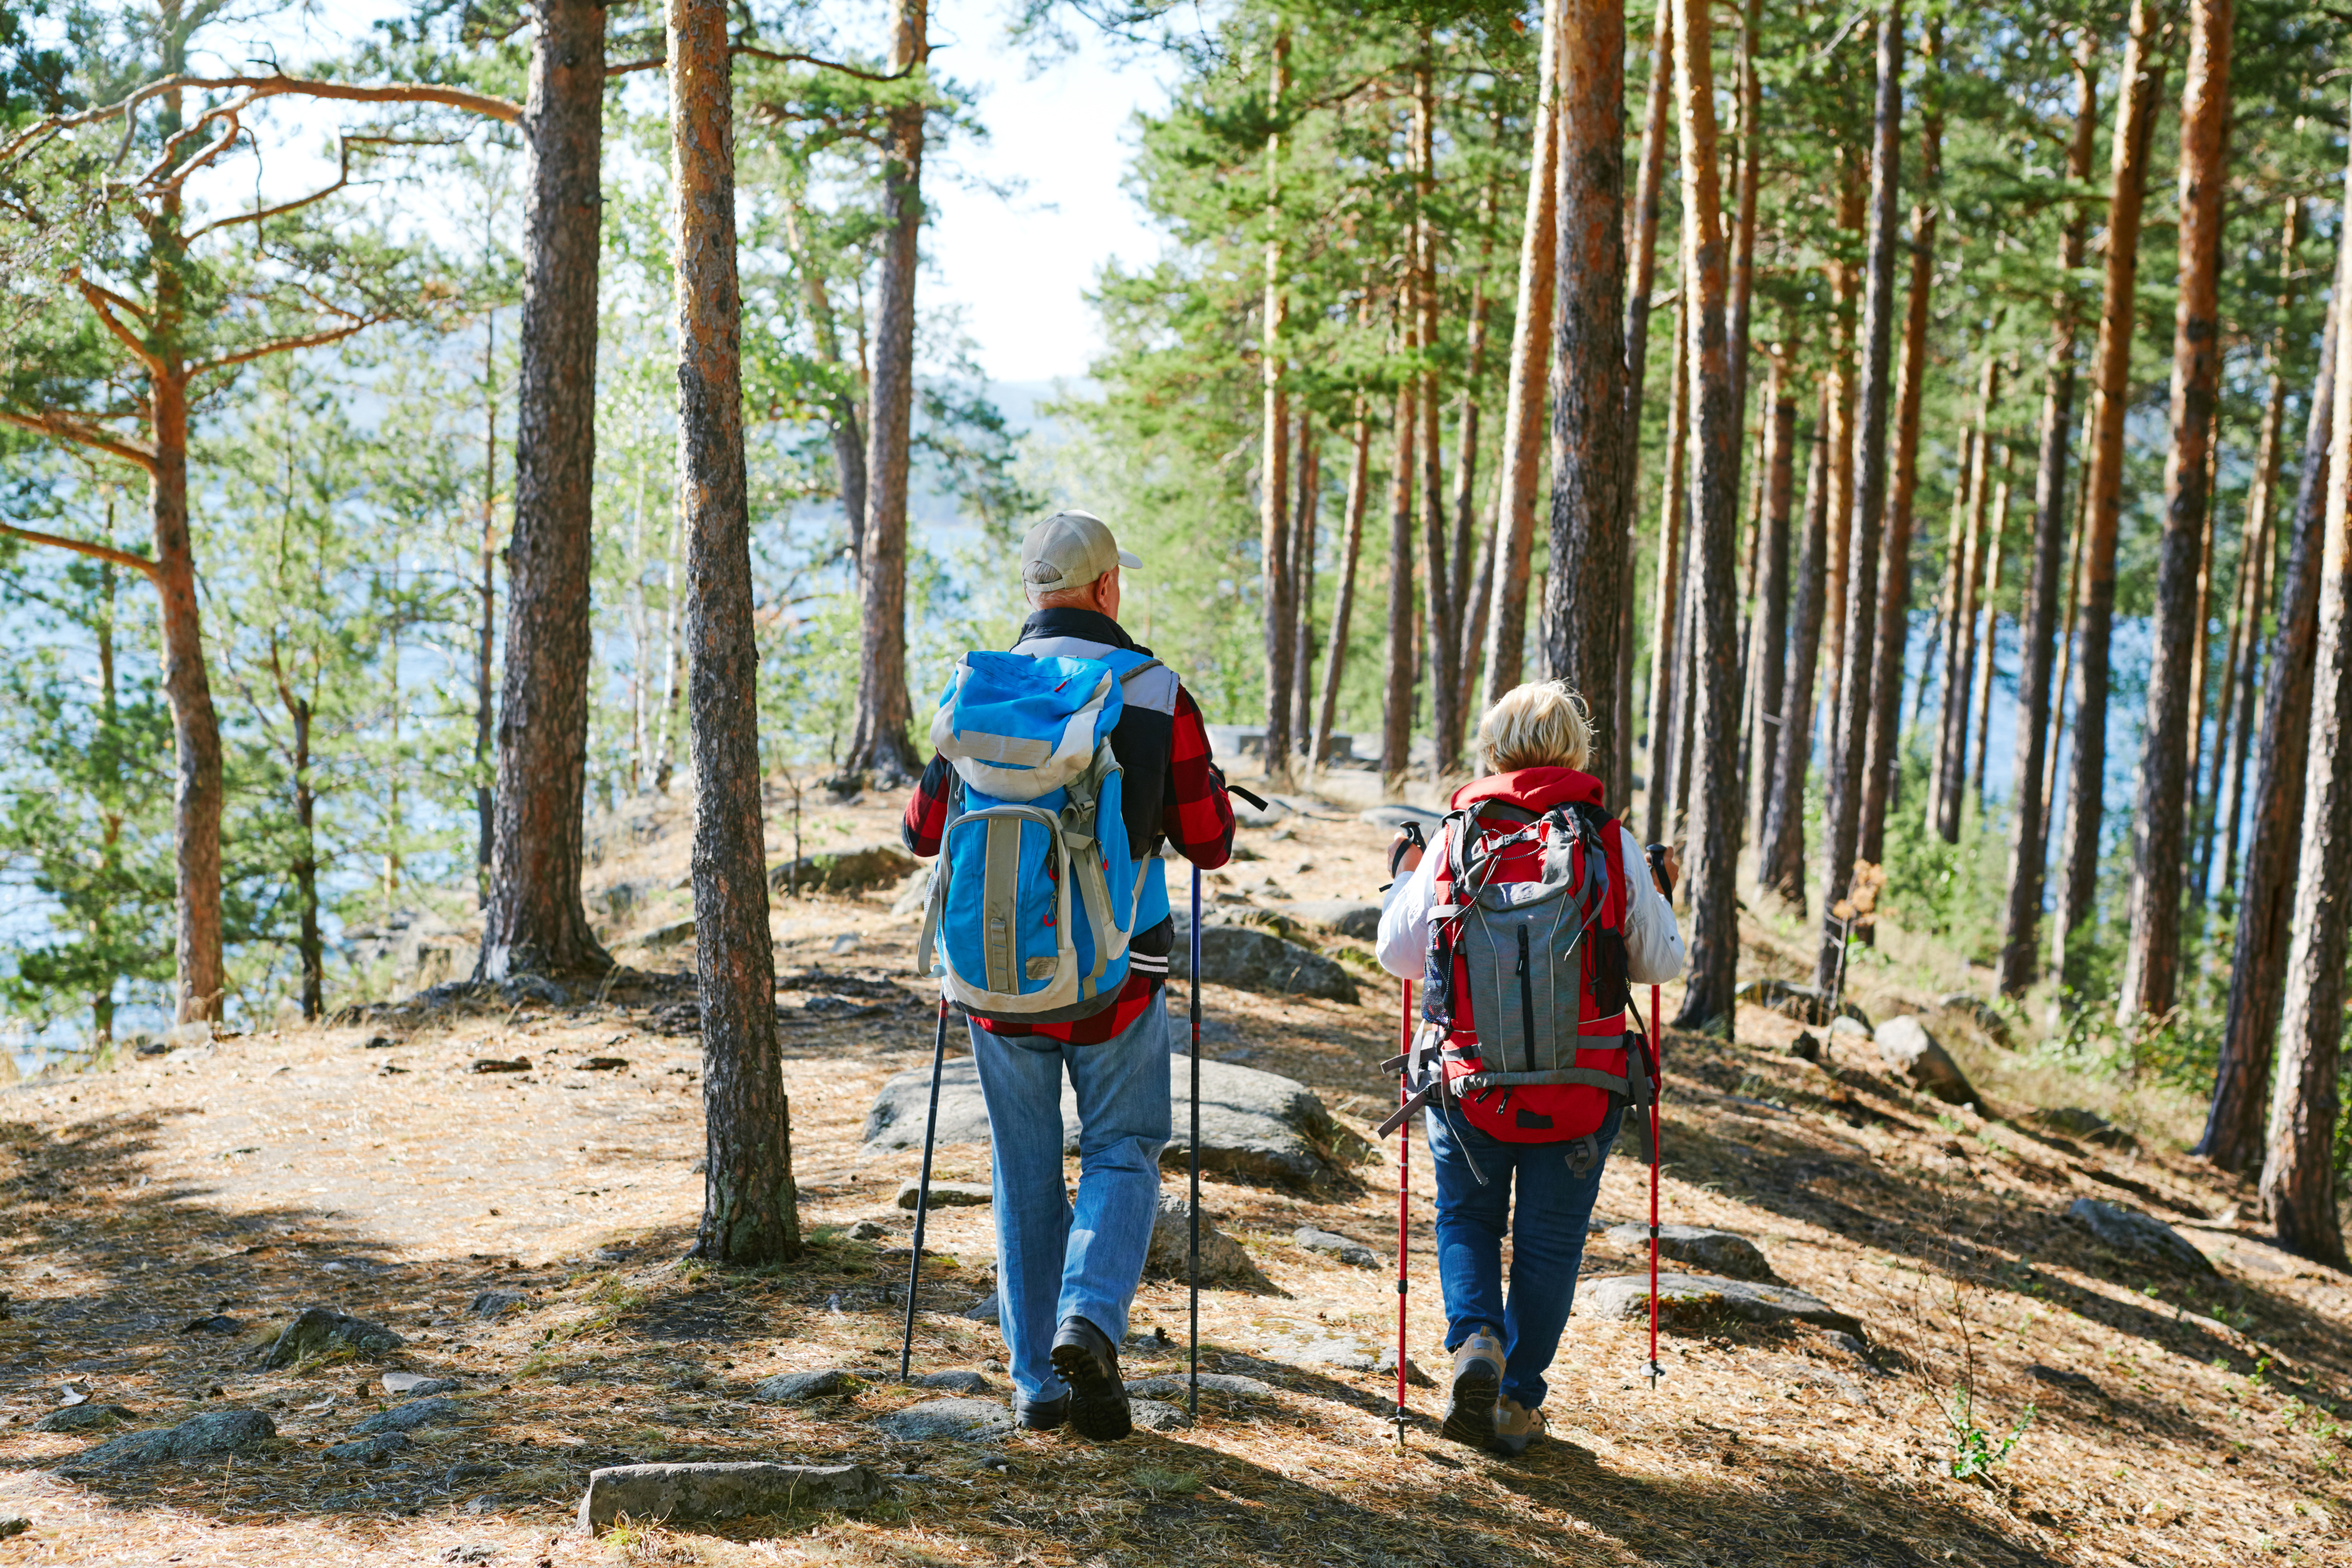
(1054, 1262)
(1547, 1241)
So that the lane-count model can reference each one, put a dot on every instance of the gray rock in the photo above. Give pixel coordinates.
(496, 1303)
(476, 1551)
(1354, 1253)
(2076, 1121)
(83, 1418)
(1223, 1260)
(1255, 1126)
(968, 1419)
(866, 1230)
(850, 870)
(1698, 1300)
(1983, 1014)
(1806, 1046)
(2141, 1236)
(706, 1493)
(1715, 1251)
(13, 1523)
(786, 1386)
(1387, 1365)
(1251, 960)
(1842, 1027)
(1346, 916)
(956, 1382)
(989, 1309)
(676, 934)
(214, 1432)
(1224, 1384)
(946, 1194)
(417, 1385)
(1904, 1045)
(1155, 1415)
(317, 1331)
(371, 1450)
(408, 1417)
(1392, 817)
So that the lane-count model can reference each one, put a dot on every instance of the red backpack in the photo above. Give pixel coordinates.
(1524, 1002)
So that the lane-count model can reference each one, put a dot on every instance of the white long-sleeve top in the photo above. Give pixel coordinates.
(1653, 942)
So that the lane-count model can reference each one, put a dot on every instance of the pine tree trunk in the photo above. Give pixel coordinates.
(1275, 588)
(2062, 686)
(535, 922)
(2021, 957)
(1592, 446)
(2169, 748)
(749, 1215)
(2135, 115)
(1862, 612)
(1845, 289)
(1780, 851)
(2233, 1130)
(1343, 602)
(1883, 748)
(1714, 826)
(880, 744)
(1441, 634)
(1471, 583)
(1678, 767)
(1396, 717)
(2193, 826)
(1768, 648)
(485, 629)
(308, 947)
(1750, 136)
(1666, 618)
(1302, 590)
(2298, 1179)
(1996, 545)
(1965, 570)
(1523, 409)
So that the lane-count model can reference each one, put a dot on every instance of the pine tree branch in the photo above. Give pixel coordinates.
(262, 214)
(139, 563)
(256, 88)
(103, 301)
(775, 57)
(286, 346)
(57, 426)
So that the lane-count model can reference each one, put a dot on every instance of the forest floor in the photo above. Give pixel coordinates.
(2175, 1417)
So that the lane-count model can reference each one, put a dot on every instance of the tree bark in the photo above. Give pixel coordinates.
(1862, 612)
(1845, 286)
(2168, 749)
(1882, 747)
(1965, 569)
(1302, 589)
(1768, 648)
(1749, 137)
(2063, 682)
(1714, 826)
(1592, 454)
(2233, 1129)
(1780, 851)
(1525, 402)
(534, 922)
(1666, 606)
(1440, 633)
(2298, 1179)
(307, 945)
(1989, 642)
(749, 1215)
(1396, 718)
(485, 629)
(2020, 956)
(879, 742)
(2200, 660)
(1343, 602)
(2135, 113)
(1275, 587)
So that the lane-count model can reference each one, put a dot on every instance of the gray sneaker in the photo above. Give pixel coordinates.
(1515, 1426)
(1477, 1379)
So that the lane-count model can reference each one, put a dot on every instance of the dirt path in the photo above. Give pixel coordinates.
(2178, 1420)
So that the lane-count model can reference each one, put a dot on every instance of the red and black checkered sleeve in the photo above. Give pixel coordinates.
(927, 811)
(1199, 817)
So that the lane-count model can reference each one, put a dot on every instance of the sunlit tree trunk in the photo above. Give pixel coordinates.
(1780, 852)
(1308, 462)
(1768, 648)
(486, 628)
(1666, 618)
(1964, 569)
(1343, 599)
(1275, 587)
(2199, 673)
(1845, 290)
(1989, 640)
(1396, 715)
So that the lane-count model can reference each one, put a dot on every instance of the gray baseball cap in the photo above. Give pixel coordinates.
(1069, 549)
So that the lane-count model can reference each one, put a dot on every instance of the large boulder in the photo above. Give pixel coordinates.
(1255, 1126)
(1342, 917)
(320, 1331)
(706, 1493)
(1698, 1301)
(850, 870)
(198, 1437)
(1982, 1016)
(966, 1420)
(1223, 1260)
(2141, 1237)
(1250, 960)
(1719, 1252)
(1904, 1045)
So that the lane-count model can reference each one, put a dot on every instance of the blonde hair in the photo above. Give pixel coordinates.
(1540, 724)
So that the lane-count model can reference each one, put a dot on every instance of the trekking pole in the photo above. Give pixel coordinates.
(1192, 1391)
(923, 1192)
(1657, 1076)
(1405, 1159)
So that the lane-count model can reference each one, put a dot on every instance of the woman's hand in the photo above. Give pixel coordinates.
(1670, 862)
(1404, 855)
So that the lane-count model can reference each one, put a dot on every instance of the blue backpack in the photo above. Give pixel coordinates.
(1034, 895)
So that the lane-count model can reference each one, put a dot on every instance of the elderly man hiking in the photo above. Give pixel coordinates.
(1060, 768)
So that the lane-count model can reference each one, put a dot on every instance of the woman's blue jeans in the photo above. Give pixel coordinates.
(1546, 1240)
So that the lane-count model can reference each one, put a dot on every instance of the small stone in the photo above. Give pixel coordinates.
(707, 1493)
(605, 1064)
(500, 1064)
(1223, 1260)
(673, 934)
(408, 1417)
(2142, 1235)
(989, 1309)
(2074, 1382)
(1845, 1028)
(1848, 1343)
(788, 1386)
(1354, 1253)
(955, 1382)
(966, 1419)
(1715, 1251)
(215, 1324)
(14, 1524)
(1698, 1300)
(866, 1230)
(317, 1331)
(1906, 1044)
(83, 1418)
(1982, 1013)
(2076, 1121)
(214, 1432)
(1153, 1416)
(947, 1195)
(374, 1449)
(496, 1303)
(1806, 1046)
(477, 1551)
(1342, 917)
(1413, 1375)
(417, 1385)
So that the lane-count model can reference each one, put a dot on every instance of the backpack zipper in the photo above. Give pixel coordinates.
(1527, 1002)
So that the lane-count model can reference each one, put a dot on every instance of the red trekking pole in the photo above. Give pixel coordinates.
(1657, 1074)
(1404, 1158)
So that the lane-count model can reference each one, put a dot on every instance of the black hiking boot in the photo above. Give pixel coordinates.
(1477, 1381)
(1085, 1358)
(1040, 1415)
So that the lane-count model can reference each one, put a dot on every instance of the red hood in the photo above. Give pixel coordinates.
(1532, 789)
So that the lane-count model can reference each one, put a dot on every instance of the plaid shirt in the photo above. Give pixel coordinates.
(1196, 818)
